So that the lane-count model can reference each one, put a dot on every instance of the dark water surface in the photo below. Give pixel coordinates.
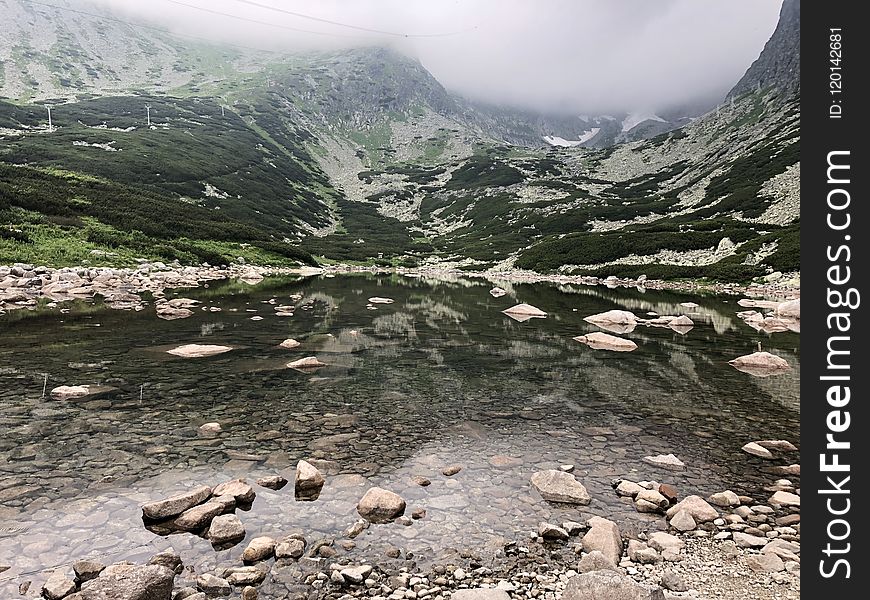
(439, 377)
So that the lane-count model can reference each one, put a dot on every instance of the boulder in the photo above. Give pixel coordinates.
(672, 581)
(213, 585)
(604, 536)
(238, 489)
(696, 507)
(259, 548)
(780, 445)
(308, 478)
(198, 517)
(628, 488)
(756, 449)
(170, 507)
(289, 344)
(290, 547)
(665, 542)
(59, 585)
(548, 531)
(86, 570)
(595, 561)
(272, 482)
(497, 292)
(745, 540)
(760, 364)
(783, 498)
(81, 392)
(767, 562)
(198, 350)
(725, 499)
(305, 364)
(525, 310)
(226, 529)
(558, 486)
(379, 505)
(609, 585)
(642, 554)
(654, 498)
(168, 559)
(209, 429)
(612, 317)
(604, 341)
(356, 575)
(683, 521)
(245, 576)
(791, 309)
(130, 582)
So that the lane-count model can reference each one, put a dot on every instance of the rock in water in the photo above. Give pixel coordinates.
(666, 461)
(272, 482)
(760, 364)
(609, 585)
(558, 486)
(548, 531)
(198, 350)
(380, 506)
(226, 529)
(198, 517)
(86, 570)
(756, 449)
(782, 498)
(683, 521)
(259, 548)
(306, 364)
(790, 309)
(58, 586)
(525, 310)
(81, 392)
(289, 344)
(170, 507)
(604, 536)
(130, 582)
(497, 292)
(213, 585)
(309, 481)
(238, 489)
(612, 317)
(379, 300)
(604, 341)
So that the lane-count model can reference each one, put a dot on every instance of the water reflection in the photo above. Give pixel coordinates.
(440, 376)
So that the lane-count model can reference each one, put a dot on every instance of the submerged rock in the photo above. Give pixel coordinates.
(558, 486)
(756, 449)
(308, 478)
(198, 350)
(81, 392)
(306, 364)
(524, 310)
(497, 292)
(239, 489)
(666, 461)
(272, 482)
(259, 548)
(604, 341)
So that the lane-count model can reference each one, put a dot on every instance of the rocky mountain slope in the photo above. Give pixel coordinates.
(779, 64)
(362, 155)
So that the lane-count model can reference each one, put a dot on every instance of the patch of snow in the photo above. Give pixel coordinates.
(636, 118)
(555, 140)
(107, 147)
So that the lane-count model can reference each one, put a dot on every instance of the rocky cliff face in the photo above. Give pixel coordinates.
(778, 65)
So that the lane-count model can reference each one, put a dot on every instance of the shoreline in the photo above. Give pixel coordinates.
(23, 286)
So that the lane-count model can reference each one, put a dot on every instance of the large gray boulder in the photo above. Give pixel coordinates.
(170, 507)
(379, 505)
(603, 536)
(558, 486)
(130, 582)
(609, 585)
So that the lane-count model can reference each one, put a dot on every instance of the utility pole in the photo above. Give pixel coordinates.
(148, 113)
(50, 128)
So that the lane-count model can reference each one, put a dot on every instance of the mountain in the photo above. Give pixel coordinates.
(779, 64)
(361, 155)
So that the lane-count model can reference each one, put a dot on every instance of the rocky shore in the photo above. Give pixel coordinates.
(24, 286)
(721, 546)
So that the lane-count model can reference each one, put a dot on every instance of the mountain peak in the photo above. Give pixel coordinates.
(778, 65)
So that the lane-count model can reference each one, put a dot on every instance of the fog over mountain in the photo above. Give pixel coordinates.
(564, 56)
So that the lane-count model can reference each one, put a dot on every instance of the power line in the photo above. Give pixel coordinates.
(249, 20)
(349, 26)
(152, 28)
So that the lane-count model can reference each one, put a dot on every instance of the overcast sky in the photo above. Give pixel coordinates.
(568, 55)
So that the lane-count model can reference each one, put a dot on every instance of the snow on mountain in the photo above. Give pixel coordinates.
(587, 135)
(636, 118)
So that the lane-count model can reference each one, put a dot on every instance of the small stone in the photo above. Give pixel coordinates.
(603, 535)
(628, 488)
(783, 498)
(421, 481)
(768, 562)
(213, 585)
(573, 527)
(669, 492)
(249, 593)
(226, 529)
(672, 581)
(356, 574)
(259, 548)
(168, 559)
(272, 482)
(418, 514)
(336, 578)
(308, 477)
(697, 507)
(245, 576)
(558, 486)
(379, 505)
(725, 499)
(744, 540)
(170, 507)
(666, 461)
(549, 531)
(451, 470)
(683, 521)
(595, 561)
(290, 548)
(480, 594)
